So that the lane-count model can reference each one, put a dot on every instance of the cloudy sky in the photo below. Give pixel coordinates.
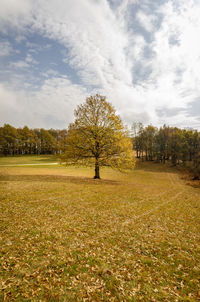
(144, 55)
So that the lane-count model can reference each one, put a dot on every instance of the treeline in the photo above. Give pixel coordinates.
(20, 141)
(171, 144)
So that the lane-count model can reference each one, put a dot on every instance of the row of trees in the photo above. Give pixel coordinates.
(20, 141)
(179, 146)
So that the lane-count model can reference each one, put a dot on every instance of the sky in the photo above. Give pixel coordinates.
(143, 55)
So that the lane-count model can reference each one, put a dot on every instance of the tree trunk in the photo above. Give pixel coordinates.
(97, 175)
(164, 159)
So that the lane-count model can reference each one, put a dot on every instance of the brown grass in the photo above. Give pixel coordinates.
(67, 237)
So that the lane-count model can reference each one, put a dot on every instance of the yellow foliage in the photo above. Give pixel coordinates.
(97, 137)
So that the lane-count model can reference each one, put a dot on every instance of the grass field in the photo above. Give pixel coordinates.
(26, 160)
(67, 237)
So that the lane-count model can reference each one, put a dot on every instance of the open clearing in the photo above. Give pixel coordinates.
(67, 237)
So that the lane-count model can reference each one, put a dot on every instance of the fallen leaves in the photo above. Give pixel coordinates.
(76, 241)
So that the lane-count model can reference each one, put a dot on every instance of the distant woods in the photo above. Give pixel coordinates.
(168, 144)
(21, 141)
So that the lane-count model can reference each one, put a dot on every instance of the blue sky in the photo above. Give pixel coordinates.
(143, 55)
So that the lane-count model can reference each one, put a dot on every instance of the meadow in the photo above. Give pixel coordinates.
(68, 237)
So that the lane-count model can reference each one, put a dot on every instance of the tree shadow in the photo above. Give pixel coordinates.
(58, 179)
(156, 167)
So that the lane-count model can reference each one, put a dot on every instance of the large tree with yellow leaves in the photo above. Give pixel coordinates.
(97, 137)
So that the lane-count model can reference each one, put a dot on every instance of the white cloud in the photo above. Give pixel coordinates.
(19, 64)
(14, 15)
(94, 36)
(175, 66)
(53, 103)
(59, 98)
(11, 105)
(23, 64)
(146, 20)
(30, 60)
(106, 53)
(5, 48)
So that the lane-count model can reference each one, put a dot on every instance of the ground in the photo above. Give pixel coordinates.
(126, 237)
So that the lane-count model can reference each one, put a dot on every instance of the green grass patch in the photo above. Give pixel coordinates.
(27, 159)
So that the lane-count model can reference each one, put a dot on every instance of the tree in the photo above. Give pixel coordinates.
(196, 156)
(97, 137)
(136, 131)
(162, 144)
(9, 140)
(149, 134)
(48, 142)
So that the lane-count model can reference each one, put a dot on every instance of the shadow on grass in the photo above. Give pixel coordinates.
(155, 167)
(58, 178)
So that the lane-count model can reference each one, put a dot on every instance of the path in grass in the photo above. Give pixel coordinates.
(67, 237)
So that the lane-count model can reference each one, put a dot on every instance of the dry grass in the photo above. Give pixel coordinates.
(67, 237)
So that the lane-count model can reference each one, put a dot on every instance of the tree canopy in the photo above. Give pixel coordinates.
(97, 137)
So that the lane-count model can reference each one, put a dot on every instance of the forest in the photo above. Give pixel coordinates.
(179, 147)
(168, 144)
(21, 141)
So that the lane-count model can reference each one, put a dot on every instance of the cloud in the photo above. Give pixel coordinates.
(19, 65)
(52, 104)
(11, 104)
(146, 21)
(14, 15)
(36, 48)
(30, 60)
(143, 57)
(23, 64)
(185, 25)
(93, 35)
(5, 48)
